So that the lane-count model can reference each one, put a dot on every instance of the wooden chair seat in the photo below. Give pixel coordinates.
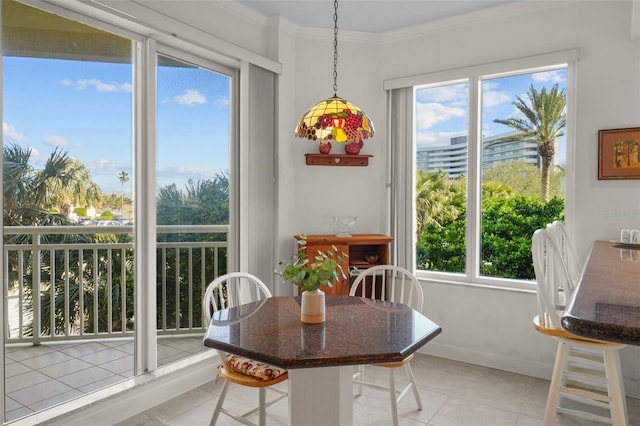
(245, 380)
(228, 291)
(395, 364)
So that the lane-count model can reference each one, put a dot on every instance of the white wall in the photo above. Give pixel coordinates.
(490, 327)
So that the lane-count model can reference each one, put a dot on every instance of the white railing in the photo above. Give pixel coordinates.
(83, 276)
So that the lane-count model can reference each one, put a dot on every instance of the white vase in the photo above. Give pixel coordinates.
(312, 307)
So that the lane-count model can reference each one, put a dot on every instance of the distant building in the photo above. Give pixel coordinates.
(452, 158)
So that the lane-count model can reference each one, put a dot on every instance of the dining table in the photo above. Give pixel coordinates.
(606, 302)
(320, 357)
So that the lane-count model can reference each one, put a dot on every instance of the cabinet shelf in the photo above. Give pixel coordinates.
(361, 160)
(358, 247)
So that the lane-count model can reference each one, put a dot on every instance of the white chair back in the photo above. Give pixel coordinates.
(391, 283)
(231, 290)
(554, 284)
(566, 250)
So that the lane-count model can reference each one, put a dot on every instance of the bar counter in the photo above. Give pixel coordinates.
(606, 304)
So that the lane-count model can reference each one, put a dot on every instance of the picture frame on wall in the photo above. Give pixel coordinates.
(619, 153)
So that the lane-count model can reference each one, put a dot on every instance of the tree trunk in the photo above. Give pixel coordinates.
(545, 178)
(546, 151)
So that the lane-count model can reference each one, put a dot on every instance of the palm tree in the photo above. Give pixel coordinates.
(73, 187)
(123, 177)
(29, 194)
(545, 119)
(439, 199)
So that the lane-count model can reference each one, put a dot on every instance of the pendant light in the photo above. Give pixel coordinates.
(335, 119)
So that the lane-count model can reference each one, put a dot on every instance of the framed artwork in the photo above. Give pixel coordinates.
(619, 153)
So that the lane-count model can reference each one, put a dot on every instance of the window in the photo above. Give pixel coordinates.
(78, 137)
(489, 162)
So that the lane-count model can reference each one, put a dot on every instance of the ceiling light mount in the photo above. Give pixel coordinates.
(335, 119)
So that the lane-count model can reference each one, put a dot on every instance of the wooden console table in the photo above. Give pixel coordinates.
(358, 247)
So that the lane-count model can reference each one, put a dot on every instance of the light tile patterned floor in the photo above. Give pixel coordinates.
(452, 393)
(38, 377)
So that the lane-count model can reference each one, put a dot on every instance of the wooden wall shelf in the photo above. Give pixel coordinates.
(337, 160)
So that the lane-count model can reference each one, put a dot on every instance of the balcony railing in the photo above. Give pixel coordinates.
(76, 282)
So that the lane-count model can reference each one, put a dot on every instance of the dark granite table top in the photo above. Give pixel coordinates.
(606, 304)
(356, 331)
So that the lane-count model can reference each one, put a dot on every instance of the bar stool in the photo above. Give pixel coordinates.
(586, 371)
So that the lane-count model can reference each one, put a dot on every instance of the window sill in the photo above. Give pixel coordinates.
(522, 286)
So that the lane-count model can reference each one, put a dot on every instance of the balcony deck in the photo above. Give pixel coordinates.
(39, 377)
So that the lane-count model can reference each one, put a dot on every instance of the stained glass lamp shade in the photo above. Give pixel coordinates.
(335, 119)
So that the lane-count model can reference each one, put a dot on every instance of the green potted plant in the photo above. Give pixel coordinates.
(310, 274)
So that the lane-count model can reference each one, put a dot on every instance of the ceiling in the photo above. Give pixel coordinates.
(374, 16)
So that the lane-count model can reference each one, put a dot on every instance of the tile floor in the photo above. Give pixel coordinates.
(453, 394)
(38, 377)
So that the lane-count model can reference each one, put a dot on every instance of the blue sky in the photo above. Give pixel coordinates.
(442, 112)
(85, 108)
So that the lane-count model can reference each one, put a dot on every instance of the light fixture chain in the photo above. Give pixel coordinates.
(335, 48)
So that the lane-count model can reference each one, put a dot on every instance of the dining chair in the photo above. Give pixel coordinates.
(228, 291)
(586, 380)
(393, 284)
(559, 234)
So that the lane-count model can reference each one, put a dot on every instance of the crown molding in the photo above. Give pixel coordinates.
(254, 18)
(503, 11)
(343, 35)
(414, 31)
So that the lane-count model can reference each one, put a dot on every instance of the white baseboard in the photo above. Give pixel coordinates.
(541, 370)
(492, 360)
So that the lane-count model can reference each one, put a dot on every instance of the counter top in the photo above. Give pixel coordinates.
(356, 331)
(606, 304)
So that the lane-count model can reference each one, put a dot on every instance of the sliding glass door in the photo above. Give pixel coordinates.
(192, 175)
(81, 147)
(68, 211)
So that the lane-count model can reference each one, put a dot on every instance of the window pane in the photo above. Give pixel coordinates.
(192, 174)
(523, 163)
(67, 126)
(442, 121)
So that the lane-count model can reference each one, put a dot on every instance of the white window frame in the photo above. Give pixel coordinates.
(150, 38)
(474, 75)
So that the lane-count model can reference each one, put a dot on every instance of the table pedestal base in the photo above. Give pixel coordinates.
(321, 396)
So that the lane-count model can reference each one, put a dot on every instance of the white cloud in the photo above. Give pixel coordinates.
(492, 98)
(52, 140)
(424, 139)
(194, 173)
(451, 93)
(222, 101)
(98, 85)
(555, 76)
(108, 167)
(10, 133)
(190, 97)
(432, 113)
